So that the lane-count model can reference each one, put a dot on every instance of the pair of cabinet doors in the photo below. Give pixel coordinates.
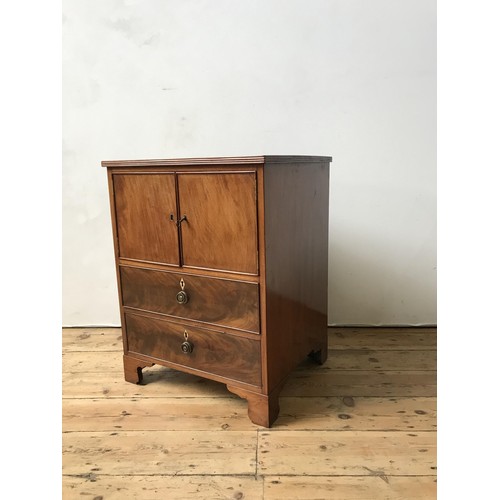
(205, 220)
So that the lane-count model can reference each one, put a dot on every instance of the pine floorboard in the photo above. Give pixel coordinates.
(362, 426)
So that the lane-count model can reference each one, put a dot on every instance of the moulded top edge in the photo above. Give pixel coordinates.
(224, 160)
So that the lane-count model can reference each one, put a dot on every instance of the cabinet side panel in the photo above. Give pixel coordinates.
(116, 249)
(296, 236)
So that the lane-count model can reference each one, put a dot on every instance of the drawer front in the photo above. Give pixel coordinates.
(221, 354)
(234, 304)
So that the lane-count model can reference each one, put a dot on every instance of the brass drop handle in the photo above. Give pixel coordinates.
(186, 346)
(182, 296)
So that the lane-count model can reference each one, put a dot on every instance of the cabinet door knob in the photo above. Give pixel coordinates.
(177, 222)
(182, 219)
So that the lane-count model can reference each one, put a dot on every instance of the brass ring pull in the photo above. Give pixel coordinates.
(186, 346)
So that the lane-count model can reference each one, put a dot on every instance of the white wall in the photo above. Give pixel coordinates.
(349, 78)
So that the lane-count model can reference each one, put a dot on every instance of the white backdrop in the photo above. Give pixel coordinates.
(354, 79)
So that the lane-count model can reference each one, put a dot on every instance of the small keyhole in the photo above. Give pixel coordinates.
(171, 217)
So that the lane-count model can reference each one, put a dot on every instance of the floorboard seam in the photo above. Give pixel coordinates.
(275, 430)
(247, 475)
(257, 455)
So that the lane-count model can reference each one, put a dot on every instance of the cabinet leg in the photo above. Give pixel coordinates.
(262, 409)
(133, 369)
(321, 355)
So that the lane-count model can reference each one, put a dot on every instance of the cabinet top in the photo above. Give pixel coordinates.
(225, 160)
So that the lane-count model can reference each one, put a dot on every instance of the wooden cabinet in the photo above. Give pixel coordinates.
(222, 268)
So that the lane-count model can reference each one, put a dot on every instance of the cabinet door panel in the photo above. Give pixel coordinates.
(143, 207)
(221, 227)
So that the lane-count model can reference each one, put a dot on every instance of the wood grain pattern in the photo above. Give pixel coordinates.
(195, 452)
(143, 207)
(249, 488)
(339, 360)
(221, 227)
(159, 382)
(116, 247)
(167, 382)
(215, 413)
(215, 161)
(387, 338)
(161, 486)
(375, 359)
(352, 384)
(353, 339)
(234, 452)
(91, 339)
(230, 303)
(216, 353)
(296, 240)
(357, 413)
(350, 488)
(212, 273)
(221, 411)
(263, 409)
(133, 369)
(362, 383)
(374, 453)
(186, 435)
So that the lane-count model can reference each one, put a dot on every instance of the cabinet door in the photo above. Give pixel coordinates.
(143, 204)
(221, 227)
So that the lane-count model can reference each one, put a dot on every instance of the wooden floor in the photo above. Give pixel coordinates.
(362, 426)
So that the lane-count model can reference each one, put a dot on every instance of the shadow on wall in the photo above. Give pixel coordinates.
(371, 284)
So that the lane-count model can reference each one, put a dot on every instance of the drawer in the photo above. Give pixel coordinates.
(216, 301)
(222, 354)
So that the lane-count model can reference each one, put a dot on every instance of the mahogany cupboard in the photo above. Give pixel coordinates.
(222, 268)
